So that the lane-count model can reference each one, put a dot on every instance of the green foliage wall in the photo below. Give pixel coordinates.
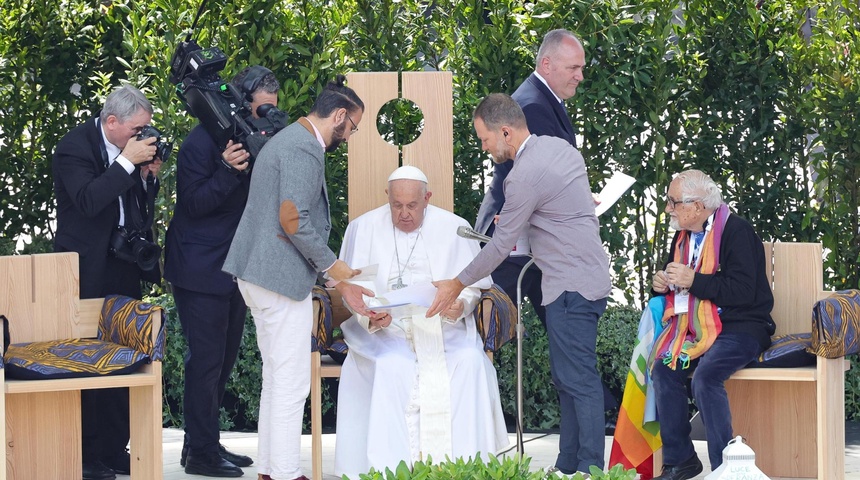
(719, 85)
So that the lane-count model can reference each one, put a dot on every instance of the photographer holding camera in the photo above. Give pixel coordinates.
(212, 188)
(104, 172)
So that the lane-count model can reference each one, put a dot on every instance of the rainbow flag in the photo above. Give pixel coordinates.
(637, 433)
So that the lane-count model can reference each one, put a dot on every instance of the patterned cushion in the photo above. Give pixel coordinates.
(836, 325)
(503, 319)
(128, 322)
(324, 338)
(787, 351)
(80, 357)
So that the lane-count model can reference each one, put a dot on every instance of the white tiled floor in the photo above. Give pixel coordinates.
(541, 448)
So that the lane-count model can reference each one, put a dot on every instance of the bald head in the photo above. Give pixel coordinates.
(560, 61)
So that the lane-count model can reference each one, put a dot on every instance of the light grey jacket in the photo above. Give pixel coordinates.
(548, 189)
(290, 167)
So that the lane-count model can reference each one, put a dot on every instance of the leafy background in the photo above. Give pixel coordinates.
(766, 100)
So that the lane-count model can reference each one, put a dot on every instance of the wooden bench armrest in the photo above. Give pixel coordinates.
(137, 379)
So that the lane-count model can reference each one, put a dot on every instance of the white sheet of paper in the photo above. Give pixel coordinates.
(523, 247)
(421, 294)
(368, 273)
(612, 191)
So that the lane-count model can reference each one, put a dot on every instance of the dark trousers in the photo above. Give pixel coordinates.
(104, 412)
(572, 331)
(729, 353)
(212, 326)
(506, 275)
(104, 423)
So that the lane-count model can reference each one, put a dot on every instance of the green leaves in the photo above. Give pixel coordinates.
(507, 468)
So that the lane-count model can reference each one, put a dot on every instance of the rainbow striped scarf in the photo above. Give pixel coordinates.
(687, 336)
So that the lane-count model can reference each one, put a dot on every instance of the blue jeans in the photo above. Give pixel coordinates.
(571, 324)
(729, 353)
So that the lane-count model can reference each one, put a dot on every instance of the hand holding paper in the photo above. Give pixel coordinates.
(612, 191)
(421, 294)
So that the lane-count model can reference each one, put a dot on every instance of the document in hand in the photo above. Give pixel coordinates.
(612, 191)
(421, 294)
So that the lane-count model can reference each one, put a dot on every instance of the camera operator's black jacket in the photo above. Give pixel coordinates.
(210, 200)
(87, 192)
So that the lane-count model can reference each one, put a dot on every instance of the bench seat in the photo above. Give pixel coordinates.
(41, 419)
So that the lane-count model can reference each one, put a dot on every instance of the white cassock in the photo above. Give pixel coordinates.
(420, 386)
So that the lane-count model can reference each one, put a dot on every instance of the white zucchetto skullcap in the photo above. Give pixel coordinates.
(408, 172)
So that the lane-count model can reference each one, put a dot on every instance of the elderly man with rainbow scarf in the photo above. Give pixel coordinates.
(716, 318)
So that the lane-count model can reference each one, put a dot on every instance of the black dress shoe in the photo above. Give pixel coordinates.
(97, 471)
(119, 463)
(682, 471)
(234, 458)
(211, 465)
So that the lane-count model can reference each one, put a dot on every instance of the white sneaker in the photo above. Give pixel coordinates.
(553, 472)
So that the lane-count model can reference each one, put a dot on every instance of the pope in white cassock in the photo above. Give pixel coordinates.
(413, 387)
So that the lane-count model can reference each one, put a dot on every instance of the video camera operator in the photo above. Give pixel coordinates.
(104, 172)
(212, 189)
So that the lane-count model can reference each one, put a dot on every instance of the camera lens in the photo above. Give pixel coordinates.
(146, 253)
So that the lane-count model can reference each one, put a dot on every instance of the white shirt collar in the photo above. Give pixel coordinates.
(557, 99)
(523, 145)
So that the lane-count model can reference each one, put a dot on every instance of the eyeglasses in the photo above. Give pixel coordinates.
(354, 126)
(671, 202)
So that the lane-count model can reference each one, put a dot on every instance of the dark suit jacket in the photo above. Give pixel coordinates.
(210, 199)
(87, 192)
(544, 116)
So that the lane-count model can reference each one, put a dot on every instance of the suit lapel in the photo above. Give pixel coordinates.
(94, 138)
(557, 107)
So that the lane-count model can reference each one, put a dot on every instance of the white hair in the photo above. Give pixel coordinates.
(696, 185)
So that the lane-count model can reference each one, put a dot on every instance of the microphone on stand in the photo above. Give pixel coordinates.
(471, 234)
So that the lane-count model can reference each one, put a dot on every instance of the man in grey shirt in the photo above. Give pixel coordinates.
(548, 189)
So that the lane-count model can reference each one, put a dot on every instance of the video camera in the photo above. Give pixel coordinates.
(223, 110)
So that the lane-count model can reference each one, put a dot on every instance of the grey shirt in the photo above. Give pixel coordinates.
(548, 188)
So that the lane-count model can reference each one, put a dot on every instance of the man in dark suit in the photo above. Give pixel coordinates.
(212, 188)
(102, 181)
(558, 71)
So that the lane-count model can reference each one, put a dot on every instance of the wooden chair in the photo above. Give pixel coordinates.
(793, 418)
(42, 418)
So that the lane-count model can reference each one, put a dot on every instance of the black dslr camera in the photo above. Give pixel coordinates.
(162, 148)
(222, 109)
(133, 247)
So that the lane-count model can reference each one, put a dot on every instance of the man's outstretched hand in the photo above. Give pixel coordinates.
(352, 295)
(447, 292)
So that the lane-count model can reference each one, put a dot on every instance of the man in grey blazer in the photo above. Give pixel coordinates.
(280, 248)
(548, 189)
